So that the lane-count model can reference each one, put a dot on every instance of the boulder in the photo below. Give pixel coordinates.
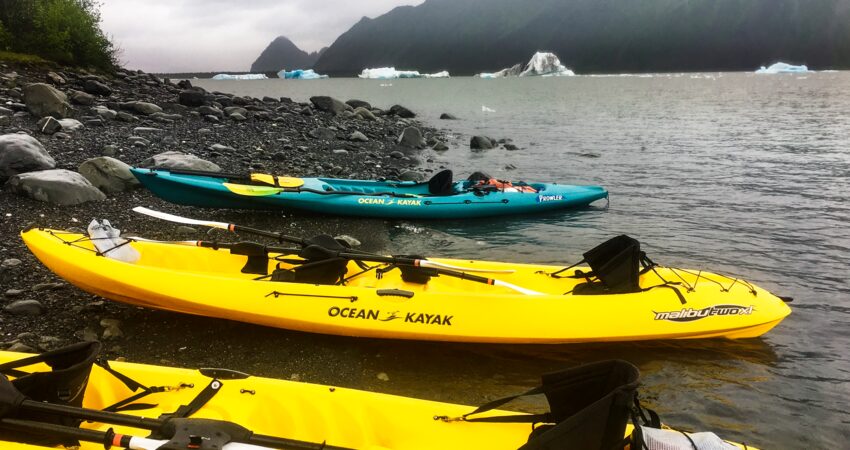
(44, 100)
(364, 114)
(20, 153)
(358, 137)
(325, 134)
(48, 125)
(25, 308)
(402, 112)
(56, 186)
(108, 174)
(328, 104)
(55, 78)
(95, 87)
(105, 113)
(237, 117)
(81, 98)
(141, 107)
(178, 160)
(447, 116)
(71, 124)
(440, 147)
(411, 175)
(231, 110)
(192, 97)
(211, 111)
(411, 137)
(358, 104)
(481, 143)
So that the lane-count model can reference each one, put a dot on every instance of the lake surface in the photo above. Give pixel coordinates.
(729, 172)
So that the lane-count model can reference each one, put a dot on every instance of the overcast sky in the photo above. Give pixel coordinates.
(219, 35)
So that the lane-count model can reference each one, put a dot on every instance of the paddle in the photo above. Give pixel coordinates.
(260, 191)
(322, 252)
(281, 181)
(247, 441)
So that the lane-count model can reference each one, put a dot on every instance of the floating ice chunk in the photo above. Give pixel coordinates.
(390, 73)
(547, 65)
(299, 74)
(782, 67)
(486, 109)
(245, 76)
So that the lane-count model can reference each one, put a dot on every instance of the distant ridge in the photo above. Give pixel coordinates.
(281, 53)
(597, 36)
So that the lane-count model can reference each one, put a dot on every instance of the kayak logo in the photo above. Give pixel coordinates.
(375, 314)
(690, 315)
(549, 198)
(388, 202)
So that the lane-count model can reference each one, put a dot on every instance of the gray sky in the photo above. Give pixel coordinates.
(219, 35)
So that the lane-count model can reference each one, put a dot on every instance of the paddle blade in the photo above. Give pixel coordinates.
(271, 180)
(251, 191)
(177, 219)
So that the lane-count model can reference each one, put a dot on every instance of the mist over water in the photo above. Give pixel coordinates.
(732, 172)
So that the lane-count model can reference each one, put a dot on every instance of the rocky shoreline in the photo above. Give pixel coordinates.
(67, 136)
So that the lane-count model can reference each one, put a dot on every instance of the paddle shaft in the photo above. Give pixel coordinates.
(376, 258)
(109, 438)
(155, 424)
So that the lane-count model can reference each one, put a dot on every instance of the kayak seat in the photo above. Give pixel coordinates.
(441, 183)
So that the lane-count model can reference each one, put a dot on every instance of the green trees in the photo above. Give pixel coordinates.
(65, 31)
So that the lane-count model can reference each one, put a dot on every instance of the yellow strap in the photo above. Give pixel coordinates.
(271, 180)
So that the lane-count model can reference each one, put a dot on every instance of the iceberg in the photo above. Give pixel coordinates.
(389, 73)
(299, 74)
(542, 64)
(245, 76)
(545, 65)
(782, 67)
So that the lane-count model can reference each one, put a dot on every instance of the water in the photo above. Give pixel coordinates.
(736, 173)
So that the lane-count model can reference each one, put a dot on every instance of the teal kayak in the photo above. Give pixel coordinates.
(439, 198)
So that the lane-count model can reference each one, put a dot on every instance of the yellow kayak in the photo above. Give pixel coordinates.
(347, 418)
(522, 303)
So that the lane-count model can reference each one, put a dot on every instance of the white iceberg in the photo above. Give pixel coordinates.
(545, 65)
(542, 64)
(246, 76)
(299, 74)
(782, 67)
(389, 73)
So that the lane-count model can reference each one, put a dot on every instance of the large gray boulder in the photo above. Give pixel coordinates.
(141, 107)
(56, 186)
(178, 160)
(328, 104)
(192, 97)
(21, 153)
(402, 112)
(108, 174)
(43, 99)
(481, 143)
(95, 87)
(411, 137)
(81, 98)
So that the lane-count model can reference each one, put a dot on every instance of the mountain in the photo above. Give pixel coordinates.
(597, 36)
(283, 54)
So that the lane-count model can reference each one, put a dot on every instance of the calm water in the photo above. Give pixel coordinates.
(732, 172)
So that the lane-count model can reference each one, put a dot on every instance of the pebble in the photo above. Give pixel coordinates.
(12, 293)
(383, 376)
(10, 262)
(47, 287)
(25, 308)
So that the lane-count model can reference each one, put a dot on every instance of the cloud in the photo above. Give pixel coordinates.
(222, 35)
